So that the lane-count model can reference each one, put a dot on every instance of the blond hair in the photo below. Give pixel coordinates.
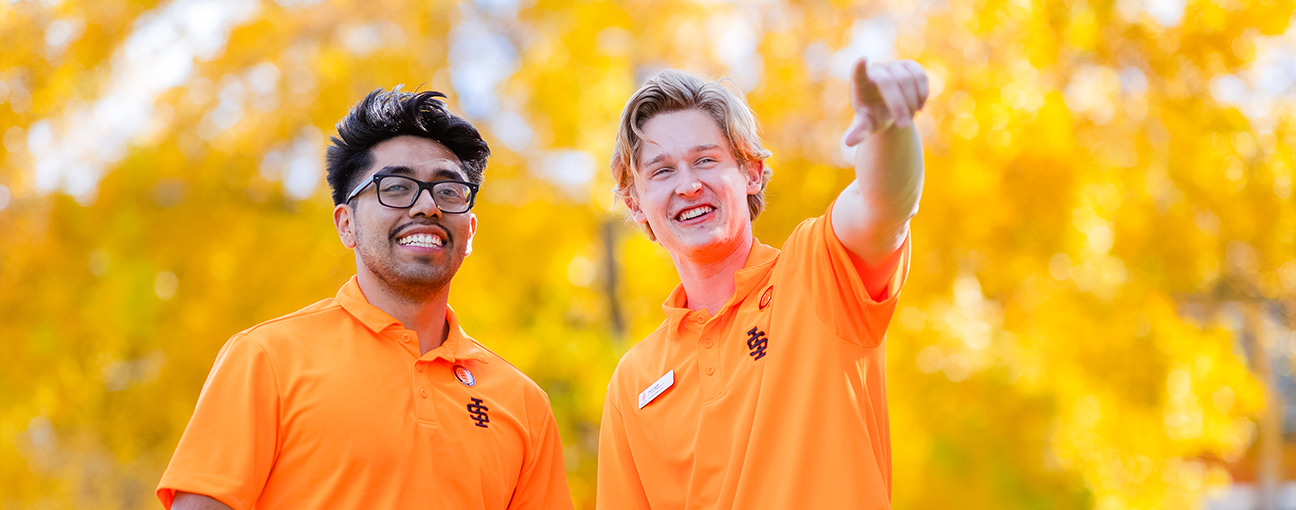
(674, 90)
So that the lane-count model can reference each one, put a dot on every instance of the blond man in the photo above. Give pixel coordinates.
(765, 385)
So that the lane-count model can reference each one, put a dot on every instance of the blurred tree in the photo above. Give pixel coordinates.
(1094, 175)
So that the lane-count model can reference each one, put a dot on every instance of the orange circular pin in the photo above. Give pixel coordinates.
(766, 297)
(464, 376)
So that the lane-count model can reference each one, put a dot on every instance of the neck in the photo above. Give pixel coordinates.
(709, 282)
(425, 314)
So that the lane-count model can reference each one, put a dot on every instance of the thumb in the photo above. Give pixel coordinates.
(861, 126)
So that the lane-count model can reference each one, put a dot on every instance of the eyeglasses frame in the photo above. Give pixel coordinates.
(422, 185)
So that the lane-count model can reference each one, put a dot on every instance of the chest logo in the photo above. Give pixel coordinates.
(757, 342)
(766, 297)
(662, 384)
(477, 412)
(464, 376)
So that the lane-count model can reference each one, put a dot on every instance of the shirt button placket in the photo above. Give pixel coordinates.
(406, 340)
(422, 382)
(708, 360)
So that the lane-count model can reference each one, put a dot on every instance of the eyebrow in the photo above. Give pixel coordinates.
(441, 172)
(696, 148)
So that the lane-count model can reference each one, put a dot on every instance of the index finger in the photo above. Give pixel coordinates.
(864, 90)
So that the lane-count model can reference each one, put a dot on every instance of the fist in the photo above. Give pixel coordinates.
(885, 95)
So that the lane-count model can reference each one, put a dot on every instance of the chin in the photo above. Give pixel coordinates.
(436, 276)
(416, 280)
(419, 287)
(700, 243)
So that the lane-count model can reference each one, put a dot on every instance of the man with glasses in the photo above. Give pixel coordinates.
(376, 398)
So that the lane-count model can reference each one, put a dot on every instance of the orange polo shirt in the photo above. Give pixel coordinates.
(778, 401)
(333, 407)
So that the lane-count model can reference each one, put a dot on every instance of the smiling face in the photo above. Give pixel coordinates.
(416, 251)
(690, 189)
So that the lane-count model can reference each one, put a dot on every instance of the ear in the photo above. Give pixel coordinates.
(342, 217)
(472, 232)
(635, 211)
(755, 174)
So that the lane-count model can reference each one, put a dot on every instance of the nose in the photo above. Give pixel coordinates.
(688, 183)
(425, 206)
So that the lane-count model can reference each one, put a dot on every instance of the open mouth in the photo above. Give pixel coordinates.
(421, 240)
(694, 212)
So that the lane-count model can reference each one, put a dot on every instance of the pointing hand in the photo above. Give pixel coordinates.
(885, 95)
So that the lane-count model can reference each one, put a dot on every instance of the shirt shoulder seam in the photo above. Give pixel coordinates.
(301, 314)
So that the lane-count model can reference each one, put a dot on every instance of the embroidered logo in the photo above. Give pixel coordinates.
(477, 412)
(464, 376)
(766, 297)
(757, 342)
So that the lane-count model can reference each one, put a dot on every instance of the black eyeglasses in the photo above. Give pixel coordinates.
(400, 192)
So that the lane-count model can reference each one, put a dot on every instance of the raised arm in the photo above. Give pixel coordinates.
(871, 216)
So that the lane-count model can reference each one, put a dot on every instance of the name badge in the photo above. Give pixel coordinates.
(657, 388)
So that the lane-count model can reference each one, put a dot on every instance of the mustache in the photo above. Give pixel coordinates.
(400, 229)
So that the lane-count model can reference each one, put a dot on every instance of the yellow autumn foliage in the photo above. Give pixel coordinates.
(1108, 199)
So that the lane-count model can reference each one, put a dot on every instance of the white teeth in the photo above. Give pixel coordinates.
(693, 213)
(424, 240)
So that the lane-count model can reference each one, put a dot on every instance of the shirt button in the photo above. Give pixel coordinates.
(405, 338)
(700, 319)
(422, 392)
(710, 370)
(706, 344)
(418, 367)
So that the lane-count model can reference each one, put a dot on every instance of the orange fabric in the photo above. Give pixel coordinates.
(778, 405)
(332, 407)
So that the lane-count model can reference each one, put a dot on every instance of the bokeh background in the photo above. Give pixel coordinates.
(1103, 292)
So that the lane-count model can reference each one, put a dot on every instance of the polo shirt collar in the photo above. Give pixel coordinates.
(759, 260)
(355, 303)
(458, 345)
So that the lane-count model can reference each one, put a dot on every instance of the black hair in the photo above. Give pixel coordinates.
(383, 115)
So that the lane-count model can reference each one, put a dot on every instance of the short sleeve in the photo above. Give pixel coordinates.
(820, 263)
(619, 484)
(230, 444)
(543, 481)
